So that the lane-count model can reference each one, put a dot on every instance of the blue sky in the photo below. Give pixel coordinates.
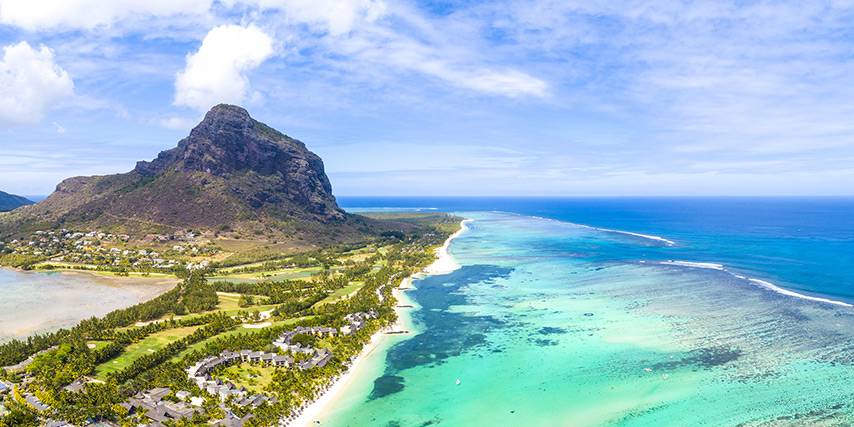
(506, 97)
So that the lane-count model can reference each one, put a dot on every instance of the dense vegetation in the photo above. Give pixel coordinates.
(151, 344)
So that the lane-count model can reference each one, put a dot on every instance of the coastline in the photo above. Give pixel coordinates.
(443, 264)
(101, 277)
(70, 295)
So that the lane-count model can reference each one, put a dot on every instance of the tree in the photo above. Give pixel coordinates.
(246, 300)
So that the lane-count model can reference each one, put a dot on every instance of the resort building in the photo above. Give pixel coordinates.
(151, 404)
(75, 387)
(357, 321)
(200, 373)
(35, 403)
(319, 357)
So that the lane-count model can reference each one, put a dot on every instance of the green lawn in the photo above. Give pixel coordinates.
(258, 308)
(361, 254)
(148, 345)
(91, 268)
(228, 311)
(344, 292)
(230, 270)
(231, 301)
(275, 275)
(228, 304)
(240, 330)
(254, 377)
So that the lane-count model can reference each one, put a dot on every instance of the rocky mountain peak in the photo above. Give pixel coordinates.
(262, 166)
(232, 174)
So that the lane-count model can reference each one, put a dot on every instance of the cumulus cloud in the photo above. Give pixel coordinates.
(376, 28)
(89, 14)
(30, 83)
(217, 73)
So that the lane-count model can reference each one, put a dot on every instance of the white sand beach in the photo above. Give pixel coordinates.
(444, 264)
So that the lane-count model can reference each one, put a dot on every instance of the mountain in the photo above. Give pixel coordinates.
(232, 176)
(11, 201)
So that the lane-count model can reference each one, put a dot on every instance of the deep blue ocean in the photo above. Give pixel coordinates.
(800, 244)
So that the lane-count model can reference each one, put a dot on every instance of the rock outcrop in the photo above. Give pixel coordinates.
(232, 175)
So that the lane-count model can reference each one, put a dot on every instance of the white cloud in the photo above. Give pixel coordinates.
(30, 83)
(59, 128)
(336, 17)
(510, 83)
(89, 14)
(382, 31)
(178, 123)
(333, 16)
(217, 73)
(356, 30)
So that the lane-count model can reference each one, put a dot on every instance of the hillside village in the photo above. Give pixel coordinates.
(98, 250)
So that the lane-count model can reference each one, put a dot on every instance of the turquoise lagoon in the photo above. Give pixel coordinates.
(546, 325)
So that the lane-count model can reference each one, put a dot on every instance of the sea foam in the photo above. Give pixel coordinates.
(660, 239)
(762, 283)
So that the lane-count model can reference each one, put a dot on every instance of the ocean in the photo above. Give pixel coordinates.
(647, 312)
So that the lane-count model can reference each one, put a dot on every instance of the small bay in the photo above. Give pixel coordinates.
(35, 302)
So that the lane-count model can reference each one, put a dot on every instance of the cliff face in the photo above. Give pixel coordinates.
(266, 166)
(231, 173)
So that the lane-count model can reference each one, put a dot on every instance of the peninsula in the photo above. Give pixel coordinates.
(278, 288)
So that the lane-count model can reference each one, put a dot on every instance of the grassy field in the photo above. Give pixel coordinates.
(360, 254)
(344, 292)
(201, 344)
(229, 304)
(280, 274)
(226, 311)
(90, 268)
(258, 308)
(248, 251)
(253, 377)
(148, 345)
(231, 301)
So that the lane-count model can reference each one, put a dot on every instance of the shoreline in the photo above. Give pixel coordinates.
(71, 293)
(101, 278)
(443, 264)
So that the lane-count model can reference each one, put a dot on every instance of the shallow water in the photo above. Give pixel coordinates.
(543, 325)
(39, 302)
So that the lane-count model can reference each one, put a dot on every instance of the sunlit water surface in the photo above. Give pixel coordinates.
(548, 323)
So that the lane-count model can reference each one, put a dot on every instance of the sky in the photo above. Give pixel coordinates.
(441, 97)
